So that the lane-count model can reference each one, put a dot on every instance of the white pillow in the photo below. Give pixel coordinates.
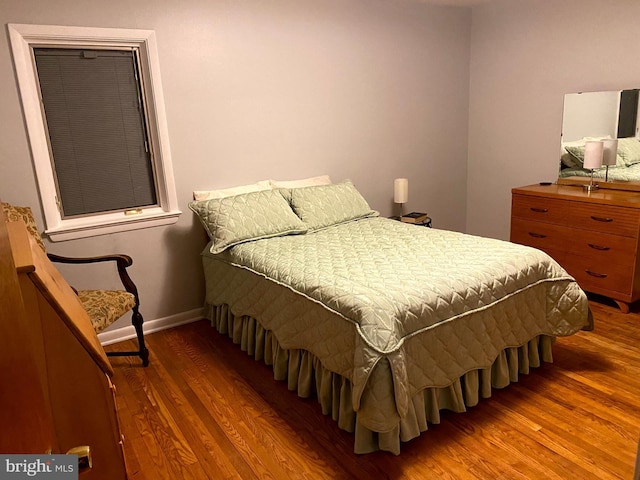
(305, 182)
(229, 192)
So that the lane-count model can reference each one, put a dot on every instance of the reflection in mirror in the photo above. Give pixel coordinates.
(601, 116)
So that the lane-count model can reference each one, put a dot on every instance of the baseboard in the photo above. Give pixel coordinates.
(128, 332)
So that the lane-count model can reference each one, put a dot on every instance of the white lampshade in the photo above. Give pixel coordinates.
(610, 154)
(401, 190)
(593, 152)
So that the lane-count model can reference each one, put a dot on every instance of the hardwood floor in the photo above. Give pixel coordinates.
(204, 409)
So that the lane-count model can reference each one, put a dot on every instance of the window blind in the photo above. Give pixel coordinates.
(97, 131)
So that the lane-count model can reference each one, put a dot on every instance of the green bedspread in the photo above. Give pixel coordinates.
(396, 308)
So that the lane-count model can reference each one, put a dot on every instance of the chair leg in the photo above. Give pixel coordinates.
(142, 352)
(142, 349)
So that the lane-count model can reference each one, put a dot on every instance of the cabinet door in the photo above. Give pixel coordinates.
(73, 368)
(81, 398)
(25, 415)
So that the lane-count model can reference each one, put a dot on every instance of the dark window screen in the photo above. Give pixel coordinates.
(96, 129)
(628, 114)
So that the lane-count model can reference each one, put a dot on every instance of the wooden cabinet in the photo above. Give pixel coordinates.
(593, 235)
(68, 370)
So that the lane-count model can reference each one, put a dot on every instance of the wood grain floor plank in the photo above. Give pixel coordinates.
(203, 409)
(213, 436)
(566, 428)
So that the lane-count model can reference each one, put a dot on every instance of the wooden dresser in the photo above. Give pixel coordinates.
(594, 236)
(59, 398)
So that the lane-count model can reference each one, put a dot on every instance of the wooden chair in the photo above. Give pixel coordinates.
(103, 306)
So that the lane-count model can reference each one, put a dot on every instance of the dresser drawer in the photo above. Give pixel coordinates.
(545, 236)
(601, 246)
(595, 275)
(605, 218)
(541, 209)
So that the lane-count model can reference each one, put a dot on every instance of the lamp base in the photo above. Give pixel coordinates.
(591, 187)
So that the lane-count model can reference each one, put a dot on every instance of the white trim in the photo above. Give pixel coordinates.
(23, 38)
(112, 223)
(121, 334)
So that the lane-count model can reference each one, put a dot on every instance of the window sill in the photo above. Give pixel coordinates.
(110, 223)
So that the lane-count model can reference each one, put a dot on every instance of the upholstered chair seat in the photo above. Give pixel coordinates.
(105, 305)
(102, 306)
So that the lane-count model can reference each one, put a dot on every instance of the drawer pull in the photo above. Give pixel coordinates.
(539, 210)
(537, 235)
(602, 219)
(599, 247)
(597, 275)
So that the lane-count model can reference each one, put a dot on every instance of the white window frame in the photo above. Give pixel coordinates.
(24, 38)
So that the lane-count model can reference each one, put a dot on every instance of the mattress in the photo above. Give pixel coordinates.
(394, 308)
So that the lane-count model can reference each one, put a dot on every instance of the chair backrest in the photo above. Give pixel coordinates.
(25, 214)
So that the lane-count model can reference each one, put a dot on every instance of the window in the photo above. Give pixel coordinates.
(95, 116)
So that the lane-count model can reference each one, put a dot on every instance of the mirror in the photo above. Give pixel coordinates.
(600, 116)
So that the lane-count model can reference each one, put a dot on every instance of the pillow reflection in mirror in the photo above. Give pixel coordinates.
(628, 151)
(573, 156)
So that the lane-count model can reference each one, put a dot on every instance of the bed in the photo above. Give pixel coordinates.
(386, 323)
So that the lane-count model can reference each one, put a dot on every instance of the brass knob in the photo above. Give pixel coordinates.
(84, 457)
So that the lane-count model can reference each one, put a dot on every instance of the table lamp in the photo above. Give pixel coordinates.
(593, 154)
(610, 155)
(401, 192)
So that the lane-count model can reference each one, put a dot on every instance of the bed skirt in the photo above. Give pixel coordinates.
(305, 374)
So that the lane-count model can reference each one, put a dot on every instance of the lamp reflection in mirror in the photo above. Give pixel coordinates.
(609, 155)
(401, 192)
(593, 155)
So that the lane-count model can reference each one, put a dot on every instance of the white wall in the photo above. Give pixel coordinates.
(360, 89)
(525, 55)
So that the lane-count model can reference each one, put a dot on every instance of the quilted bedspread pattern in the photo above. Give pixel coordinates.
(396, 308)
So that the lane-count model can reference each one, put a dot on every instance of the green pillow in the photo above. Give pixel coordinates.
(324, 205)
(577, 154)
(629, 151)
(245, 217)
